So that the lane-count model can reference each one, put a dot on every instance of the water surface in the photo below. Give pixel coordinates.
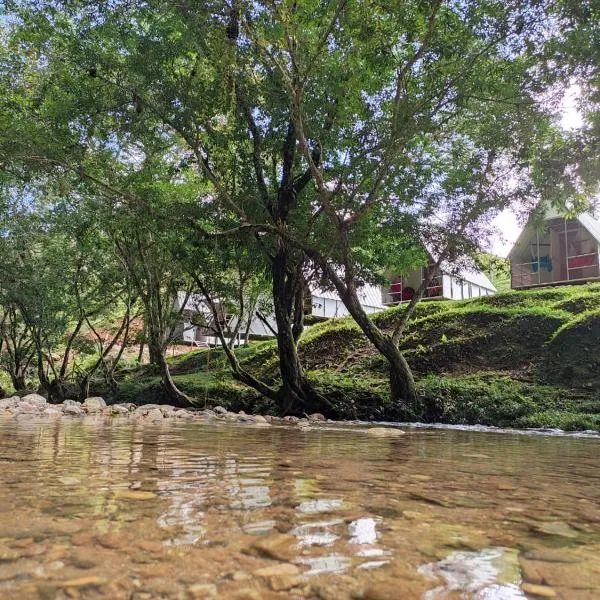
(124, 509)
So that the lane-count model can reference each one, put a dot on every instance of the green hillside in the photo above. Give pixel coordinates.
(520, 359)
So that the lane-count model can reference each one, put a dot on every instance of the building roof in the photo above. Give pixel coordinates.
(588, 221)
(475, 277)
(368, 294)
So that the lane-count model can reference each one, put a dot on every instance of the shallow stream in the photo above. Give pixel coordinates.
(98, 509)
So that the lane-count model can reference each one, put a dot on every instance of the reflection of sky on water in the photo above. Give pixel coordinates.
(318, 533)
(320, 505)
(333, 563)
(490, 574)
(363, 531)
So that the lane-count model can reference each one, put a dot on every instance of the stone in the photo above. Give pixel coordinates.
(154, 414)
(9, 402)
(278, 546)
(112, 541)
(202, 590)
(70, 409)
(385, 432)
(94, 404)
(27, 408)
(280, 583)
(35, 399)
(316, 417)
(259, 419)
(134, 495)
(279, 569)
(119, 409)
(85, 559)
(556, 528)
(396, 589)
(541, 591)
(70, 402)
(219, 410)
(91, 581)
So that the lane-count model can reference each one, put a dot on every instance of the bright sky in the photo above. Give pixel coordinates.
(506, 222)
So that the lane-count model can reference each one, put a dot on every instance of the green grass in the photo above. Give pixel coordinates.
(517, 359)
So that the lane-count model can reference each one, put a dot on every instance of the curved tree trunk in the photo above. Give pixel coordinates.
(157, 357)
(297, 394)
(402, 384)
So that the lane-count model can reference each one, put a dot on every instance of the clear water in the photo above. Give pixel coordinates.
(123, 509)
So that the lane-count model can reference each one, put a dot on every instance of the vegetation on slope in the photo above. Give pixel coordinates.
(519, 359)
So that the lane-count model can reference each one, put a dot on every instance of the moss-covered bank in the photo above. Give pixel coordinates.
(520, 359)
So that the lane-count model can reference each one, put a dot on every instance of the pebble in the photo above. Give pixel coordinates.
(279, 569)
(541, 591)
(91, 581)
(134, 495)
(202, 590)
(279, 546)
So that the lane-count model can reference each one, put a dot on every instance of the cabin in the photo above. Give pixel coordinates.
(447, 283)
(564, 251)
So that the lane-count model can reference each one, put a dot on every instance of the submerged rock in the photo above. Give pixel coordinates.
(94, 404)
(278, 546)
(541, 591)
(385, 432)
(557, 528)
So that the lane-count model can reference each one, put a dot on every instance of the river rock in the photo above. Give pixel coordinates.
(119, 409)
(94, 404)
(9, 402)
(26, 408)
(154, 415)
(316, 417)
(279, 569)
(557, 528)
(183, 414)
(385, 432)
(198, 591)
(541, 591)
(219, 410)
(72, 409)
(35, 399)
(278, 546)
(259, 419)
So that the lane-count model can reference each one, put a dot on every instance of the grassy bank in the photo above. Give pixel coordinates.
(520, 359)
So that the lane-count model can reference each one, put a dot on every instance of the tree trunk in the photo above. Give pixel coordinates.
(157, 357)
(402, 384)
(297, 394)
(18, 381)
(173, 394)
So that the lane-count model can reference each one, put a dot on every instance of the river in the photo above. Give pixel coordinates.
(98, 509)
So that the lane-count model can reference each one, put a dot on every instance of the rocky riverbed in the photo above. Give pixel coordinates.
(36, 405)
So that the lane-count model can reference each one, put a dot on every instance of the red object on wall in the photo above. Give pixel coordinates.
(408, 293)
(582, 261)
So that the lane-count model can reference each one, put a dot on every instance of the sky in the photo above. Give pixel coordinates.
(506, 223)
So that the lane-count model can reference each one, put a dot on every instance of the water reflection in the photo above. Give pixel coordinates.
(440, 513)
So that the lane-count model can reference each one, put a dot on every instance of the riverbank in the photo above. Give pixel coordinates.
(526, 359)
